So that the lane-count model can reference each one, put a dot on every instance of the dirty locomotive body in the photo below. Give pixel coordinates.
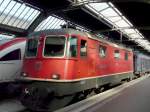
(63, 65)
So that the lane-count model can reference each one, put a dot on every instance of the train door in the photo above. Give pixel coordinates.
(10, 65)
(103, 62)
(82, 65)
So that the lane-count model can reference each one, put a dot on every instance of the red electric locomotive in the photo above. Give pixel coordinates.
(65, 64)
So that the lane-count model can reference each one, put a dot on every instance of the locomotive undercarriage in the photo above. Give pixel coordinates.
(49, 96)
(139, 73)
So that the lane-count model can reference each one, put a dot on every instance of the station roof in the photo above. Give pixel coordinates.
(125, 21)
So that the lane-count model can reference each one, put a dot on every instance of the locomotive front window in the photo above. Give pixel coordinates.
(54, 46)
(31, 49)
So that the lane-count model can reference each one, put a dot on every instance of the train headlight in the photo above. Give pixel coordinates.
(55, 76)
(24, 74)
(26, 91)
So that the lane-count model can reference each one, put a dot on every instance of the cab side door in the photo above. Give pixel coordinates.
(82, 64)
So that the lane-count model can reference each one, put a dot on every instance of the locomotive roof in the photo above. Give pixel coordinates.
(73, 31)
(57, 32)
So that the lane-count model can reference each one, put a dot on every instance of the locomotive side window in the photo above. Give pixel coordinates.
(116, 54)
(31, 49)
(54, 46)
(126, 56)
(73, 47)
(13, 55)
(102, 51)
(83, 48)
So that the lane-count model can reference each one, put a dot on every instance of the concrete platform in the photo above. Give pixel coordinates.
(11, 105)
(133, 99)
(129, 97)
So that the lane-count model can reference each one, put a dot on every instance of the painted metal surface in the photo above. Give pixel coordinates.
(141, 63)
(65, 87)
(79, 67)
(11, 69)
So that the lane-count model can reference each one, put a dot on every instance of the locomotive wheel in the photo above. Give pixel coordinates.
(34, 99)
(59, 102)
(129, 79)
(49, 105)
(99, 90)
(37, 99)
(78, 97)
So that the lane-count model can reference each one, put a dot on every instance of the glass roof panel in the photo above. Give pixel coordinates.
(135, 36)
(17, 14)
(8, 8)
(36, 14)
(129, 31)
(92, 9)
(50, 23)
(55, 22)
(115, 19)
(109, 13)
(4, 5)
(1, 2)
(143, 42)
(118, 21)
(82, 1)
(99, 7)
(20, 19)
(122, 23)
(11, 13)
(27, 17)
(137, 40)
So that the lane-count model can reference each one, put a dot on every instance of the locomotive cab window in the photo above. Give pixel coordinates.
(83, 48)
(116, 54)
(13, 55)
(31, 49)
(102, 51)
(126, 56)
(73, 47)
(54, 46)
